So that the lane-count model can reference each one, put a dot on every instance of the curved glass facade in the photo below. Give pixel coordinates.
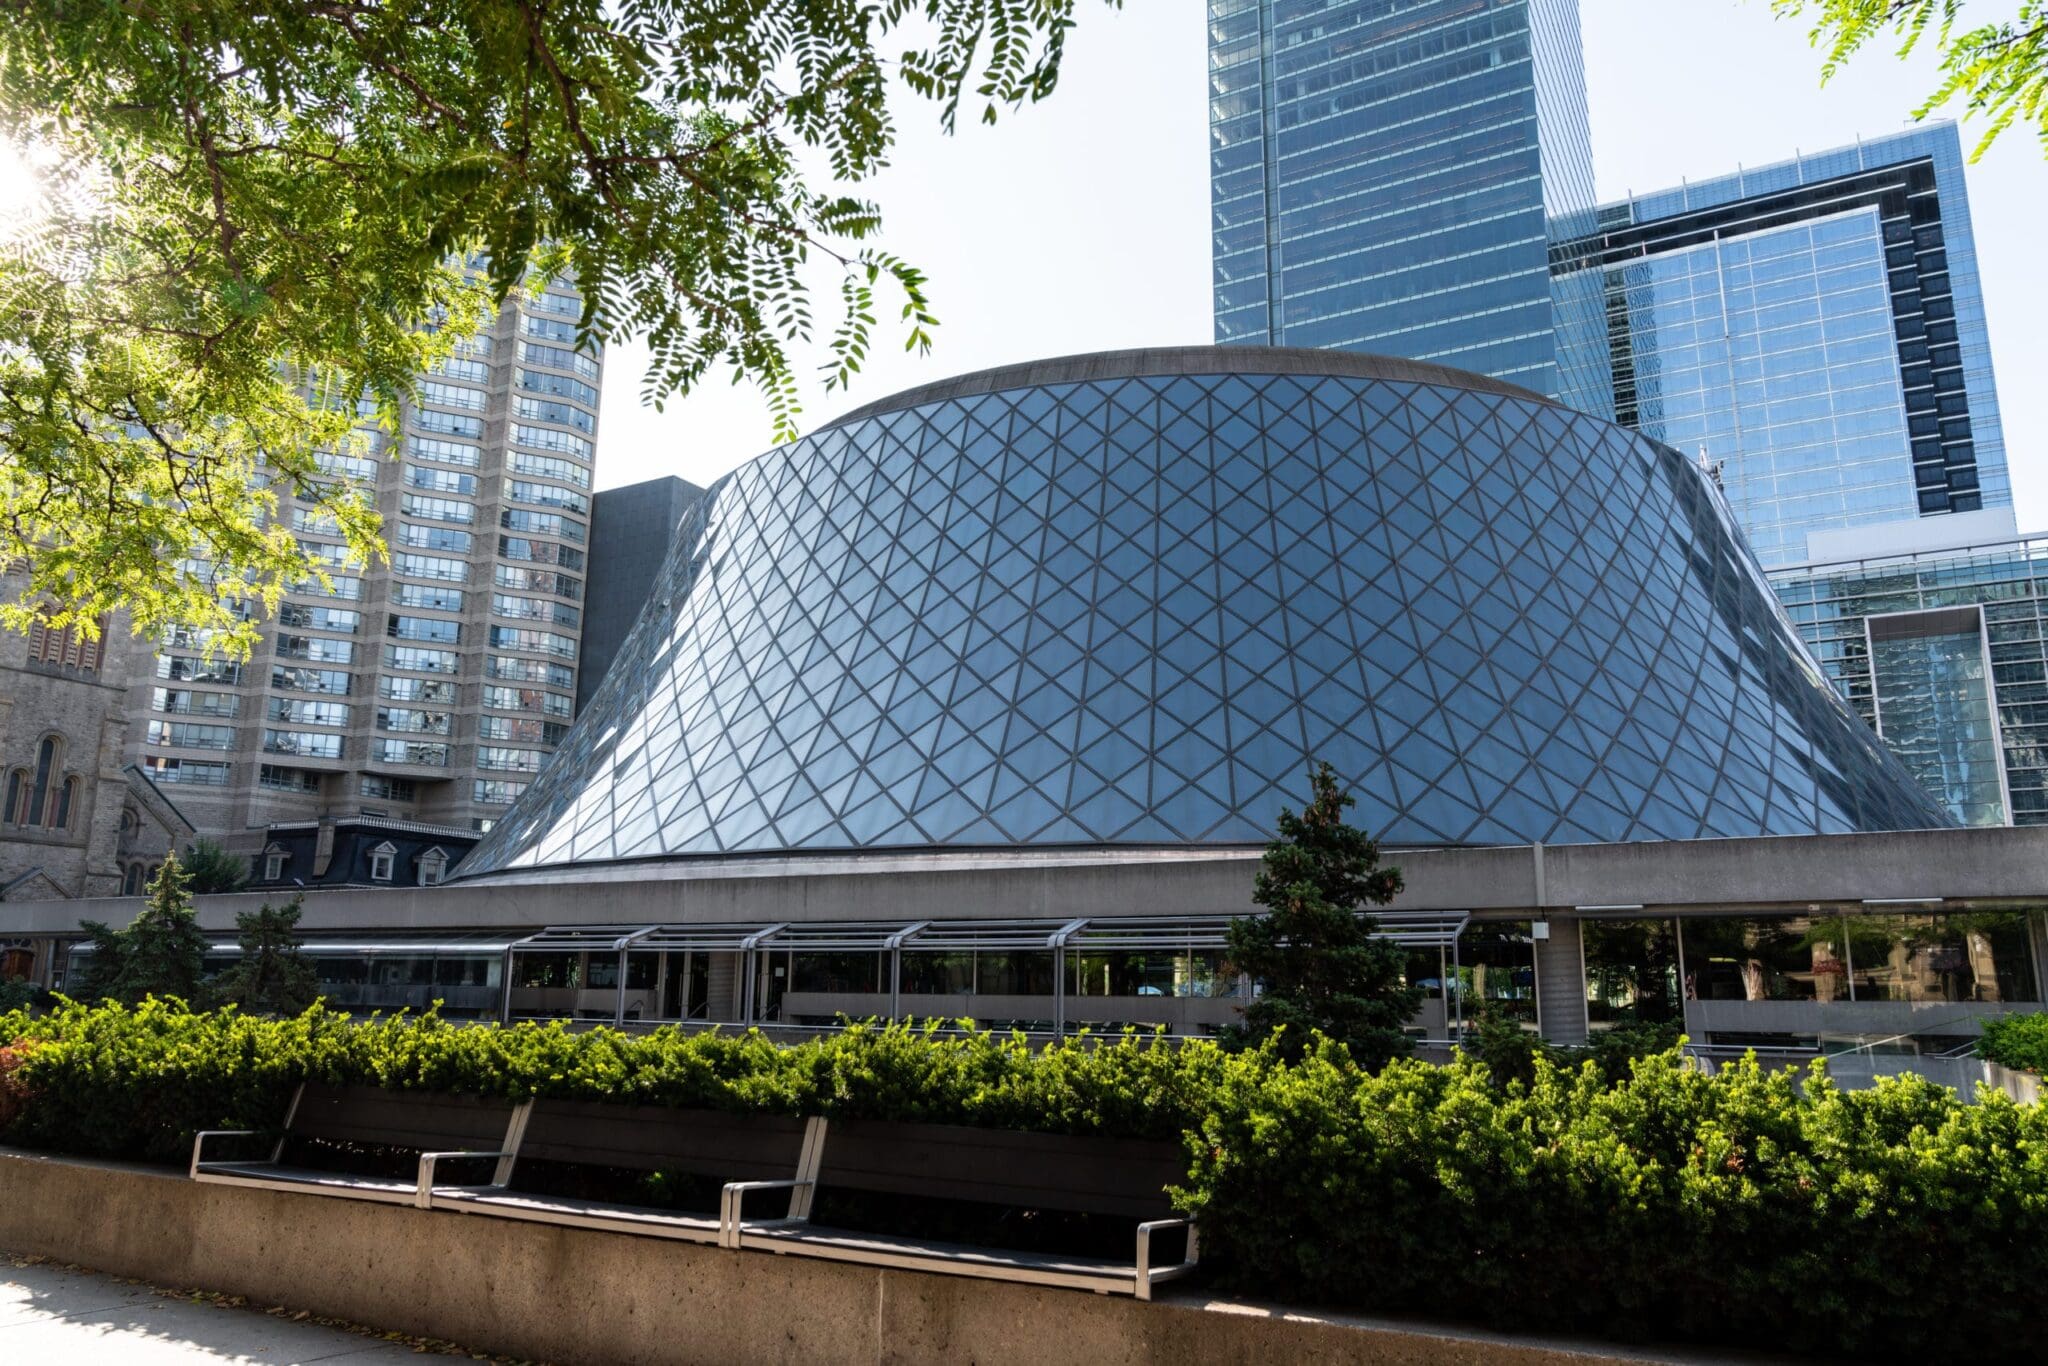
(1127, 599)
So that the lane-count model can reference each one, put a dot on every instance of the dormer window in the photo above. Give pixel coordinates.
(433, 867)
(275, 857)
(382, 859)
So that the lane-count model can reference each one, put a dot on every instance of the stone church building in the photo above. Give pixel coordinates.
(75, 819)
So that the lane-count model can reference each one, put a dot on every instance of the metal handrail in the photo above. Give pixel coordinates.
(1868, 1045)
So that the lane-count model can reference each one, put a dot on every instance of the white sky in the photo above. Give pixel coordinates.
(1083, 224)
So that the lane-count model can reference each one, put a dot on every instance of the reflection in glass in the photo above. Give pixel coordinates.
(1766, 958)
(1013, 974)
(1126, 974)
(1933, 702)
(1631, 972)
(938, 974)
(1496, 969)
(841, 972)
(1978, 956)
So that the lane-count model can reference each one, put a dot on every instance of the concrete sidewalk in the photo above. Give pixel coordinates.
(50, 1316)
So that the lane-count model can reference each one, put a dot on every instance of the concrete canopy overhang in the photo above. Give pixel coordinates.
(1928, 868)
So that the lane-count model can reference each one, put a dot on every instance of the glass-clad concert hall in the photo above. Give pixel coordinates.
(1129, 599)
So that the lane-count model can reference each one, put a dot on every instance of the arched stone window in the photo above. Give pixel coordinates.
(39, 797)
(17, 797)
(131, 880)
(67, 802)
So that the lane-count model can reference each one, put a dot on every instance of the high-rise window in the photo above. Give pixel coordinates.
(448, 452)
(441, 481)
(1814, 330)
(189, 735)
(431, 596)
(550, 467)
(421, 660)
(438, 630)
(437, 509)
(445, 539)
(430, 567)
(191, 772)
(306, 744)
(302, 712)
(546, 410)
(1399, 178)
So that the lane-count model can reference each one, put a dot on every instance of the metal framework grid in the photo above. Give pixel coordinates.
(1409, 929)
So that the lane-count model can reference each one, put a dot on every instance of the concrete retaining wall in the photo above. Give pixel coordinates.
(569, 1295)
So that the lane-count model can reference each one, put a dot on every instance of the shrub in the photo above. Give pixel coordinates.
(19, 994)
(1509, 1052)
(1748, 1207)
(2019, 1041)
(137, 1083)
(1751, 1208)
(13, 1091)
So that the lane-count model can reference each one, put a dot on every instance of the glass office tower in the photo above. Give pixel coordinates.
(1409, 178)
(1815, 329)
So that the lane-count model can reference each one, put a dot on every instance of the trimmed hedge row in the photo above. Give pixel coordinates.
(115, 1082)
(1761, 1209)
(1753, 1208)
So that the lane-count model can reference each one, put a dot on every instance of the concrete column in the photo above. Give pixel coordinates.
(1561, 982)
(721, 986)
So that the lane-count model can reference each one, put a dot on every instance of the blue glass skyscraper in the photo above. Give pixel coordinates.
(1815, 328)
(1407, 177)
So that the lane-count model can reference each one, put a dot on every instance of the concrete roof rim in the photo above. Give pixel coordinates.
(1749, 875)
(831, 862)
(1169, 361)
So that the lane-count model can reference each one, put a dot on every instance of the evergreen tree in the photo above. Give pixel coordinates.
(210, 868)
(273, 976)
(1313, 949)
(162, 953)
(94, 980)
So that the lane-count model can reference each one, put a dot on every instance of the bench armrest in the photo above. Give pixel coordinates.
(734, 1196)
(1148, 1275)
(199, 1141)
(423, 1197)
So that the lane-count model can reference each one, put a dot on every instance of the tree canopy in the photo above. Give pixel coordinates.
(209, 867)
(266, 218)
(1997, 68)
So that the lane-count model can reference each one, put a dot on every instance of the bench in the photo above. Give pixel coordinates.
(645, 1138)
(417, 1121)
(1034, 1171)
